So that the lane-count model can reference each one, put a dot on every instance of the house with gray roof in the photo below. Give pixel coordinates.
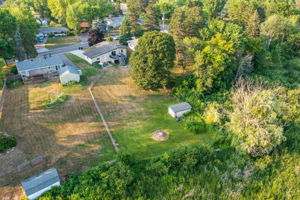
(68, 74)
(178, 110)
(37, 185)
(39, 67)
(106, 52)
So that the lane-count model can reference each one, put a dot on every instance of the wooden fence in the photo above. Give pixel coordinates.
(2, 98)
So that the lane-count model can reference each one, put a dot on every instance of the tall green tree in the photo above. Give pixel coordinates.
(134, 12)
(151, 19)
(125, 31)
(214, 65)
(185, 22)
(152, 60)
(213, 7)
(8, 25)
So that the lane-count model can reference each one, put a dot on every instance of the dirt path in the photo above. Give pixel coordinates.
(113, 141)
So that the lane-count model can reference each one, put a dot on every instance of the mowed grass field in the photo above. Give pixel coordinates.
(69, 136)
(58, 42)
(133, 115)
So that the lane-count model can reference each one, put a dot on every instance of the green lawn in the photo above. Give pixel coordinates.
(137, 139)
(58, 42)
(133, 115)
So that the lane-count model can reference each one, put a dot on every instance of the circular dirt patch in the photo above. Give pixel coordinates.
(160, 135)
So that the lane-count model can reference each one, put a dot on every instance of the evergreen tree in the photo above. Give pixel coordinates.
(151, 19)
(186, 22)
(134, 12)
(125, 31)
(152, 59)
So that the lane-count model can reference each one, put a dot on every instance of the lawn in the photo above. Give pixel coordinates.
(133, 115)
(69, 136)
(58, 42)
(1, 63)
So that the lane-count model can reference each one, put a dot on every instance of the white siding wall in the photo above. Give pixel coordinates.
(69, 77)
(181, 113)
(39, 193)
(105, 57)
(46, 70)
(171, 113)
(177, 114)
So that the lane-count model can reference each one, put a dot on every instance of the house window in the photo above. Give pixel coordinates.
(122, 50)
(113, 53)
(98, 58)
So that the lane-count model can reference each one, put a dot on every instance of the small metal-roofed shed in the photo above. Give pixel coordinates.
(69, 73)
(37, 185)
(178, 110)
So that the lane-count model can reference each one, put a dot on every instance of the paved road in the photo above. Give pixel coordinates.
(83, 43)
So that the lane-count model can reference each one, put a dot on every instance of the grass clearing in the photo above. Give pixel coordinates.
(69, 136)
(133, 115)
(58, 42)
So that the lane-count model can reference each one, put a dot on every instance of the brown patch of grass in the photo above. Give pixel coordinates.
(70, 136)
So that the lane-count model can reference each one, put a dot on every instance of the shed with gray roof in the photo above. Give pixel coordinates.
(37, 185)
(69, 73)
(40, 66)
(178, 110)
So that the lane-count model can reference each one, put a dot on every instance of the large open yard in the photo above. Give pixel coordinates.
(69, 136)
(133, 115)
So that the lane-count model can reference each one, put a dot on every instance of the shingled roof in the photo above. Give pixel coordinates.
(38, 64)
(40, 181)
(103, 50)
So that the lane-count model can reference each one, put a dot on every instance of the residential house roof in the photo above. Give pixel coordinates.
(39, 63)
(68, 70)
(103, 50)
(84, 25)
(40, 181)
(180, 107)
(114, 21)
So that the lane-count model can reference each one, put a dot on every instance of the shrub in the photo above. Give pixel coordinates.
(14, 83)
(96, 64)
(51, 102)
(51, 35)
(7, 142)
(255, 120)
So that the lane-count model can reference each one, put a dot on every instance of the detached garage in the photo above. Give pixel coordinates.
(37, 185)
(69, 73)
(178, 110)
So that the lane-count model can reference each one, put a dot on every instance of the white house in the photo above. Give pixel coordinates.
(37, 185)
(39, 67)
(108, 52)
(69, 73)
(132, 43)
(178, 110)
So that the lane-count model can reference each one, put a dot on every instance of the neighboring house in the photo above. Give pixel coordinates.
(114, 22)
(69, 73)
(37, 185)
(54, 30)
(106, 52)
(178, 110)
(39, 67)
(132, 43)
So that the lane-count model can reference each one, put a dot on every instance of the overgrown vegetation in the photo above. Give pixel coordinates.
(53, 101)
(6, 142)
